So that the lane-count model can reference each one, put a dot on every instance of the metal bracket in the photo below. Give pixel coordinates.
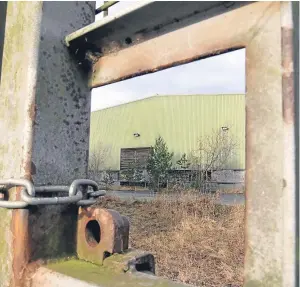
(100, 233)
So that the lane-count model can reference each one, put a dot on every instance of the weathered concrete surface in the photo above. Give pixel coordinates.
(45, 106)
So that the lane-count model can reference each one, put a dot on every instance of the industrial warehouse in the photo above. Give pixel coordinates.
(127, 130)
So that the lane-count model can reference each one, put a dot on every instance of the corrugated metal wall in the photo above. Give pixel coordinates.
(180, 119)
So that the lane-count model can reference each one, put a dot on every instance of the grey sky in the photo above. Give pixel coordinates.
(222, 74)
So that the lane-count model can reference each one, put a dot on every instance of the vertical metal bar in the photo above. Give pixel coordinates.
(264, 257)
(105, 12)
(295, 12)
(17, 93)
(105, 6)
(45, 114)
(3, 6)
(289, 192)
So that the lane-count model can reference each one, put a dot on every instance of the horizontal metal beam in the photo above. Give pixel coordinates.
(105, 6)
(179, 46)
(140, 23)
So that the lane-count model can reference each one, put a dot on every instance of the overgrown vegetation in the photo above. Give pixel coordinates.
(97, 171)
(193, 239)
(107, 178)
(213, 152)
(97, 158)
(159, 163)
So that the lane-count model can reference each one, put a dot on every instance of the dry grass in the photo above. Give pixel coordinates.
(194, 240)
(231, 191)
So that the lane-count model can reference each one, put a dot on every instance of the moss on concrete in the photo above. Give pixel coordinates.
(107, 277)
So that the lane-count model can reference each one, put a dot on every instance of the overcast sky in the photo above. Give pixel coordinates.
(223, 74)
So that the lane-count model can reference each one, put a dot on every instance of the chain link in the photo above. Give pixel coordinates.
(78, 193)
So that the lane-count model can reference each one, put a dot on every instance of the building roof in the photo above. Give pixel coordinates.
(164, 96)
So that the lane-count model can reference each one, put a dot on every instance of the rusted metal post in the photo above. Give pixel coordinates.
(289, 180)
(3, 6)
(105, 11)
(44, 119)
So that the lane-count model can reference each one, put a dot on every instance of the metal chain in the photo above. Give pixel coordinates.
(82, 192)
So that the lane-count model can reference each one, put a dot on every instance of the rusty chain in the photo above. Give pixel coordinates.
(82, 192)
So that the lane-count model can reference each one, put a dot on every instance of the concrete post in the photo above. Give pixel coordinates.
(44, 120)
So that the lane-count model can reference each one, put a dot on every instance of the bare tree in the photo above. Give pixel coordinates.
(107, 178)
(97, 158)
(213, 152)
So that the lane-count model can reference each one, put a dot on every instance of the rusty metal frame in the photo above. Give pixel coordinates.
(265, 29)
(142, 22)
(45, 113)
(155, 36)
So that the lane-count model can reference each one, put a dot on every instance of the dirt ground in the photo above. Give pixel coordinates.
(194, 240)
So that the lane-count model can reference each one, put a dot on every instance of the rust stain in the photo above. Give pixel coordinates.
(30, 271)
(21, 248)
(27, 170)
(144, 70)
(29, 167)
(287, 75)
(32, 111)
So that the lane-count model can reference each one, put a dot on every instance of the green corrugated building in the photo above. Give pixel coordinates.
(180, 119)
